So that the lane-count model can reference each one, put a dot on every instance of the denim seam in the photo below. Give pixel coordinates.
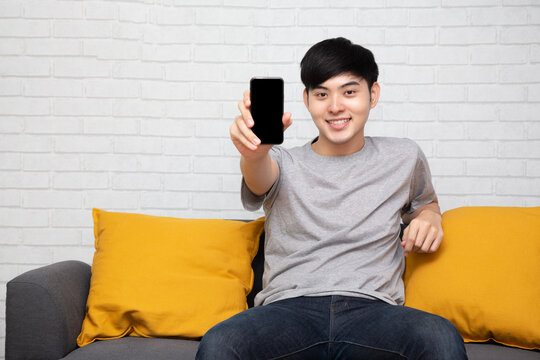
(298, 351)
(331, 328)
(373, 347)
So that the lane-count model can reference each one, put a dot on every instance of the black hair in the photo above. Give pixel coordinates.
(333, 57)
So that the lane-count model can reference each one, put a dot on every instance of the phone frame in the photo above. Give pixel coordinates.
(276, 137)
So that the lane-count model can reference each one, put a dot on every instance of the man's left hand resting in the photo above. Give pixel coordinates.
(424, 233)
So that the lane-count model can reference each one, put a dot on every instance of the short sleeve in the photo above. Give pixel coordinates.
(252, 202)
(421, 188)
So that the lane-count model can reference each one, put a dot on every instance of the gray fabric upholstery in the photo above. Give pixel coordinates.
(45, 309)
(132, 348)
(492, 351)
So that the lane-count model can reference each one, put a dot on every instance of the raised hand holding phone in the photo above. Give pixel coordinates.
(242, 136)
(258, 169)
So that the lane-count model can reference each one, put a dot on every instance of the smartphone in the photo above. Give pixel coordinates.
(266, 96)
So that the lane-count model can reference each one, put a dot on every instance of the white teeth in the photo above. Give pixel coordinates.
(338, 122)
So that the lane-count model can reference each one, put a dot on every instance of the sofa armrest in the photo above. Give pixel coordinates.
(45, 309)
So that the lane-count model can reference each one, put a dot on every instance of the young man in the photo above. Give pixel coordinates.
(332, 286)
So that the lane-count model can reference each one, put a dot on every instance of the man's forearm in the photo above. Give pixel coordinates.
(433, 206)
(259, 174)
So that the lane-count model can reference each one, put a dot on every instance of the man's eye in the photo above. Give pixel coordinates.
(320, 95)
(350, 92)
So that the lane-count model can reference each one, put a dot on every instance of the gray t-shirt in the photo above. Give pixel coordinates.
(333, 222)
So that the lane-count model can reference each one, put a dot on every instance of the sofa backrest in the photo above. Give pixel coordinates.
(258, 267)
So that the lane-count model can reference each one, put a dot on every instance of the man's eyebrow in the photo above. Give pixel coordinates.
(350, 83)
(320, 87)
(342, 86)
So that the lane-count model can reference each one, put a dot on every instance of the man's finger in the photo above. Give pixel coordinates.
(241, 134)
(247, 99)
(247, 132)
(430, 239)
(437, 243)
(421, 237)
(405, 236)
(287, 121)
(410, 239)
(246, 114)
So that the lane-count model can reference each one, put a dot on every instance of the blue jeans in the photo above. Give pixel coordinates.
(332, 327)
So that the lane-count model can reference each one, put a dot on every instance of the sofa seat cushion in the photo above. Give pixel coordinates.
(134, 348)
(492, 351)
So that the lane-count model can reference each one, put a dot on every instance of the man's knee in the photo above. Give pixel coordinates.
(219, 343)
(441, 339)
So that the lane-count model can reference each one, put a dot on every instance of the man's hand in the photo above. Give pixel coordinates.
(241, 135)
(424, 233)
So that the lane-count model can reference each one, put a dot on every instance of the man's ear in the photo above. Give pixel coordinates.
(306, 98)
(374, 95)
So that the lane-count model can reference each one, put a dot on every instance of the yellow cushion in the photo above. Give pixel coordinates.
(485, 276)
(166, 277)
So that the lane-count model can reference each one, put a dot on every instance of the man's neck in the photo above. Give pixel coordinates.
(326, 148)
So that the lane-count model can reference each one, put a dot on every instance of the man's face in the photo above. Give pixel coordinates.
(340, 108)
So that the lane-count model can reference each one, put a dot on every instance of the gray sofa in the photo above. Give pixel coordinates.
(45, 309)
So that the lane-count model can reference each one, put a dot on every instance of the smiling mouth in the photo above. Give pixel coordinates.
(338, 122)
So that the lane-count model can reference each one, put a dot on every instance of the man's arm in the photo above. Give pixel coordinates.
(259, 174)
(424, 232)
(259, 170)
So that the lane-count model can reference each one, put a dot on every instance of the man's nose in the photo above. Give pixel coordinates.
(335, 105)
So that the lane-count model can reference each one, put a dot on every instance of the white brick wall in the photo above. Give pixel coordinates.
(126, 105)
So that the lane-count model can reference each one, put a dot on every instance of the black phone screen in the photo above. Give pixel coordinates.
(267, 109)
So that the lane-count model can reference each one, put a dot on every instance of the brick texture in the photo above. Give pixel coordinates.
(126, 105)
